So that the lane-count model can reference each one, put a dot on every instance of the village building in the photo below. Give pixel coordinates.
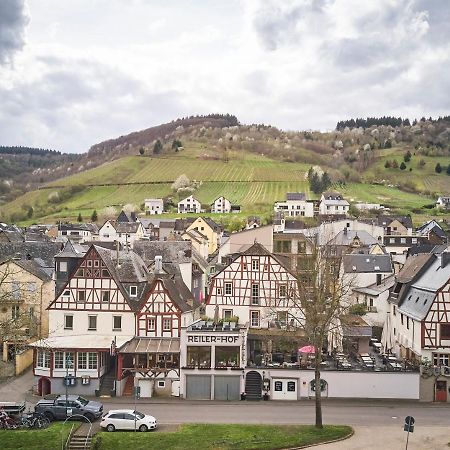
(124, 232)
(332, 203)
(295, 205)
(153, 206)
(189, 205)
(221, 205)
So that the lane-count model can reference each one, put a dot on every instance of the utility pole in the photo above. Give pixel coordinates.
(68, 363)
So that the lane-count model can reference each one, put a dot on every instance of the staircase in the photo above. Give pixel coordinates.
(107, 384)
(253, 386)
(80, 442)
(128, 389)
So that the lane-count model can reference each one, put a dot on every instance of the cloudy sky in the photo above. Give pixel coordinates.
(73, 73)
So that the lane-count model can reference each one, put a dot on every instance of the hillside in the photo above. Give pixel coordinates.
(253, 165)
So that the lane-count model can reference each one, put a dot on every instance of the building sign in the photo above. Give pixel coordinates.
(205, 339)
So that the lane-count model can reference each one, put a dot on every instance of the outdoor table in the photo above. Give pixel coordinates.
(392, 358)
(364, 355)
(377, 345)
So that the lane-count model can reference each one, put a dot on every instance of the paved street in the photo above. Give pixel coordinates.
(377, 424)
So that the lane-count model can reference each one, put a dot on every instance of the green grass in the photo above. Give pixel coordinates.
(48, 439)
(224, 437)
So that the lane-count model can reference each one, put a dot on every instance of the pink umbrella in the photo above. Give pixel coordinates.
(307, 349)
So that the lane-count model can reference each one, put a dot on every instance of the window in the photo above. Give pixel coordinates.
(282, 317)
(228, 289)
(89, 262)
(105, 273)
(105, 296)
(117, 323)
(81, 296)
(31, 287)
(43, 359)
(63, 360)
(68, 322)
(282, 290)
(227, 356)
(96, 263)
(255, 264)
(133, 291)
(92, 322)
(278, 386)
(161, 384)
(198, 356)
(167, 324)
(82, 360)
(407, 323)
(378, 278)
(15, 312)
(282, 246)
(255, 294)
(291, 386)
(371, 302)
(441, 359)
(15, 290)
(401, 318)
(219, 291)
(92, 360)
(301, 247)
(394, 310)
(63, 266)
(227, 313)
(151, 324)
(254, 318)
(445, 331)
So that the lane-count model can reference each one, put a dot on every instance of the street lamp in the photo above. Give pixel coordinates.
(69, 364)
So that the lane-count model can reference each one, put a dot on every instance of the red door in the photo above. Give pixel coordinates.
(441, 391)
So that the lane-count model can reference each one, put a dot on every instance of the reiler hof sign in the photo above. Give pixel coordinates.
(208, 339)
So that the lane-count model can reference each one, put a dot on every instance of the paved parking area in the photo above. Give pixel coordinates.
(16, 389)
(393, 438)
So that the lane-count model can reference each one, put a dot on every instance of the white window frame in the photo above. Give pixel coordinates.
(255, 319)
(151, 320)
(282, 287)
(66, 316)
(165, 321)
(228, 288)
(255, 264)
(43, 359)
(90, 317)
(255, 298)
(133, 291)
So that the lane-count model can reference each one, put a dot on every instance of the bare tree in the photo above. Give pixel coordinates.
(322, 297)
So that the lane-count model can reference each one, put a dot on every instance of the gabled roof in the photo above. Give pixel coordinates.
(126, 216)
(347, 238)
(357, 263)
(72, 250)
(34, 268)
(413, 266)
(92, 227)
(332, 195)
(126, 227)
(385, 220)
(257, 250)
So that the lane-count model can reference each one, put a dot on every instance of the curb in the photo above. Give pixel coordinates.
(323, 443)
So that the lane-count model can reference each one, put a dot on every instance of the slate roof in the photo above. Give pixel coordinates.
(177, 252)
(417, 303)
(412, 267)
(362, 263)
(34, 268)
(377, 289)
(346, 238)
(295, 196)
(126, 227)
(31, 250)
(92, 227)
(332, 195)
(385, 220)
(72, 250)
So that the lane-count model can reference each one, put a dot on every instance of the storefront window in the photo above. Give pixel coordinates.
(199, 356)
(227, 356)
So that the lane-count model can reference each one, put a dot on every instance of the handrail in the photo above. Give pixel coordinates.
(63, 447)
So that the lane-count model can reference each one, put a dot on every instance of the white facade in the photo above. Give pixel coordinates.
(221, 205)
(153, 206)
(109, 233)
(295, 208)
(334, 207)
(189, 205)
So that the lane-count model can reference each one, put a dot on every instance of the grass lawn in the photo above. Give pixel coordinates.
(223, 437)
(48, 439)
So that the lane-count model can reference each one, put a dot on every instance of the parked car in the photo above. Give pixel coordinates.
(57, 409)
(125, 419)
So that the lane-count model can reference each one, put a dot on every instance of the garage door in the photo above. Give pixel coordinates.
(198, 387)
(227, 388)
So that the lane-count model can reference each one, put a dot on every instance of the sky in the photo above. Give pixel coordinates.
(74, 73)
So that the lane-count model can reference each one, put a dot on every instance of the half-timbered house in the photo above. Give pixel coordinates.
(109, 299)
(420, 312)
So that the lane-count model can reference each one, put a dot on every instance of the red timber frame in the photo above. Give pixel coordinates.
(439, 313)
(158, 306)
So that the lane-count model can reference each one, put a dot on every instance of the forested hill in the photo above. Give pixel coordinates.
(24, 168)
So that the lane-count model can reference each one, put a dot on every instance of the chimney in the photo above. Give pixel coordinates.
(158, 264)
(445, 259)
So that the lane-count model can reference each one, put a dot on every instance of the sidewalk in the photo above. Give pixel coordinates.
(393, 438)
(17, 389)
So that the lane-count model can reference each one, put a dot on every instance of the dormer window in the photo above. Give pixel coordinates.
(63, 266)
(133, 291)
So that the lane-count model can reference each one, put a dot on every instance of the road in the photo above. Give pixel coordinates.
(355, 413)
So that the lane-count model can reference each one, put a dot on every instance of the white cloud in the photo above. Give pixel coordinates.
(94, 70)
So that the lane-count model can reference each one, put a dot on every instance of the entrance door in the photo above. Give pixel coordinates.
(44, 386)
(441, 391)
(284, 389)
(253, 385)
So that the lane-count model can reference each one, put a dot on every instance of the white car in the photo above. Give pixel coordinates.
(127, 419)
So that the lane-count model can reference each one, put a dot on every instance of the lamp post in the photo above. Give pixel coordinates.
(69, 364)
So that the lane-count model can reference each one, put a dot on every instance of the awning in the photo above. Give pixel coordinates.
(151, 345)
(84, 342)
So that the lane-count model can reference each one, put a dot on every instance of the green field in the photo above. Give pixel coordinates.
(224, 437)
(251, 180)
